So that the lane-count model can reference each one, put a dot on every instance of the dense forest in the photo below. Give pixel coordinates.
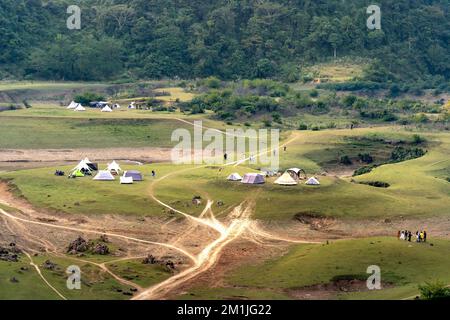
(229, 39)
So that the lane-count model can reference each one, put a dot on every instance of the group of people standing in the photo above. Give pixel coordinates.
(419, 236)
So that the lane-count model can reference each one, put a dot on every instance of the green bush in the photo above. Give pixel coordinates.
(302, 126)
(345, 160)
(434, 291)
(87, 97)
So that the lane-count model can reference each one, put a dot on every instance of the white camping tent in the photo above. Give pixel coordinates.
(296, 173)
(72, 105)
(126, 180)
(114, 167)
(234, 177)
(80, 108)
(104, 176)
(83, 166)
(106, 109)
(116, 106)
(312, 182)
(286, 180)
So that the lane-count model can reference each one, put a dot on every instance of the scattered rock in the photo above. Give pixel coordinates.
(9, 254)
(150, 259)
(104, 238)
(49, 265)
(101, 249)
(78, 245)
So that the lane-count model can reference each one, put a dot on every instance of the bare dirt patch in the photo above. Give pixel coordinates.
(14, 159)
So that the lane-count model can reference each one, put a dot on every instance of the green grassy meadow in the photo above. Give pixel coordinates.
(403, 265)
(417, 187)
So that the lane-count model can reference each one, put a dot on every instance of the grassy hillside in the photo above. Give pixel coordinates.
(403, 265)
(417, 187)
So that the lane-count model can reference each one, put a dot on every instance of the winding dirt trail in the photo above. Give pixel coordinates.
(38, 270)
(240, 223)
(236, 225)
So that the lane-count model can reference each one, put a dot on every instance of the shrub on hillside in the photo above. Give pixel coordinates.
(403, 154)
(434, 291)
(345, 160)
(365, 157)
(87, 97)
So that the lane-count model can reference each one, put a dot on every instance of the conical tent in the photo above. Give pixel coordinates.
(82, 166)
(234, 177)
(93, 166)
(253, 178)
(114, 167)
(297, 173)
(313, 182)
(104, 176)
(80, 108)
(106, 109)
(286, 180)
(72, 105)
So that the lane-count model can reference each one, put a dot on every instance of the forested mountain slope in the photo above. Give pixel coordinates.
(229, 39)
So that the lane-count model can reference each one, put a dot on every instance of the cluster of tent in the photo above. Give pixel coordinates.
(86, 167)
(104, 106)
(291, 177)
(76, 106)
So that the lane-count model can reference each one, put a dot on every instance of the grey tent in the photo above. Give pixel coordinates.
(136, 175)
(253, 178)
(104, 176)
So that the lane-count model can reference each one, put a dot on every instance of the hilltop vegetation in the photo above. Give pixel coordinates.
(227, 39)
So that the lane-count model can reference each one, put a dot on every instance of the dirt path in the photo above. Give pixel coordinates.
(42, 276)
(239, 224)
(24, 156)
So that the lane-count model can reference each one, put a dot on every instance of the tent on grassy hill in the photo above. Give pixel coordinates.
(77, 174)
(83, 167)
(297, 173)
(79, 108)
(286, 180)
(126, 180)
(114, 167)
(312, 182)
(72, 105)
(253, 178)
(104, 176)
(234, 177)
(136, 175)
(92, 165)
(106, 109)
